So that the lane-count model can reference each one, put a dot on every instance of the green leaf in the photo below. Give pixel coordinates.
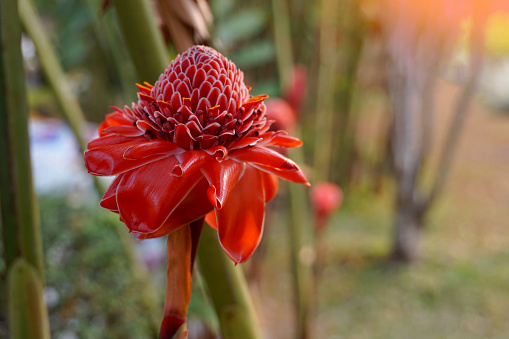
(256, 53)
(243, 25)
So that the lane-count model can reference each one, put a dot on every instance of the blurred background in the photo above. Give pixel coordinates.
(402, 104)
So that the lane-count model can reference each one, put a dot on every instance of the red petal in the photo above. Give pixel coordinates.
(114, 119)
(222, 177)
(125, 130)
(285, 141)
(112, 139)
(147, 195)
(109, 160)
(157, 146)
(266, 157)
(193, 207)
(178, 281)
(270, 185)
(211, 220)
(240, 221)
(245, 142)
(109, 200)
(295, 176)
(190, 162)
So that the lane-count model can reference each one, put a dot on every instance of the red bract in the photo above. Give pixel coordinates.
(326, 198)
(195, 142)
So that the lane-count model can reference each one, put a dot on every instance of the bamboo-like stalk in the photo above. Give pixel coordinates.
(282, 36)
(73, 114)
(143, 38)
(19, 215)
(301, 273)
(107, 36)
(326, 88)
(28, 316)
(56, 77)
(228, 290)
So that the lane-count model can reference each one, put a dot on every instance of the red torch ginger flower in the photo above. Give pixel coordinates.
(195, 142)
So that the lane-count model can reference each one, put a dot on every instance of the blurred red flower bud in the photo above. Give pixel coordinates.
(284, 116)
(326, 198)
(296, 90)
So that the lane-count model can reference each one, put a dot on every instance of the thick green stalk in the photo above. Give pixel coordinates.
(75, 117)
(326, 88)
(71, 109)
(282, 36)
(228, 290)
(20, 221)
(300, 234)
(143, 38)
(28, 316)
(53, 71)
(298, 205)
(19, 215)
(107, 35)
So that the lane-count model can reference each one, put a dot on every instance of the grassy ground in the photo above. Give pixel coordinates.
(460, 288)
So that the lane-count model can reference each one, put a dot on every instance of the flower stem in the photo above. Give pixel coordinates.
(228, 290)
(19, 214)
(143, 38)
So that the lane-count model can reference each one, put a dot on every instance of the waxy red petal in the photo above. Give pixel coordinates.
(147, 195)
(266, 157)
(125, 130)
(109, 199)
(285, 141)
(294, 176)
(109, 160)
(148, 148)
(190, 162)
(210, 219)
(112, 139)
(222, 177)
(240, 221)
(270, 185)
(193, 207)
(114, 119)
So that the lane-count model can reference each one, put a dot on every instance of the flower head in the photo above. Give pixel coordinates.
(195, 143)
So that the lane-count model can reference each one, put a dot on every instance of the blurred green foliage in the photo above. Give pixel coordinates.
(92, 292)
(242, 31)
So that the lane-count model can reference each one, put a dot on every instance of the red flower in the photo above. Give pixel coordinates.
(194, 143)
(326, 198)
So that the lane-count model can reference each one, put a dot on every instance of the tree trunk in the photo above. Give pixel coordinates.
(408, 230)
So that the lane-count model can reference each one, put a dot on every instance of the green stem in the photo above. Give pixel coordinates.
(298, 204)
(143, 38)
(282, 36)
(71, 109)
(228, 289)
(28, 316)
(300, 231)
(75, 117)
(19, 215)
(326, 89)
(108, 39)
